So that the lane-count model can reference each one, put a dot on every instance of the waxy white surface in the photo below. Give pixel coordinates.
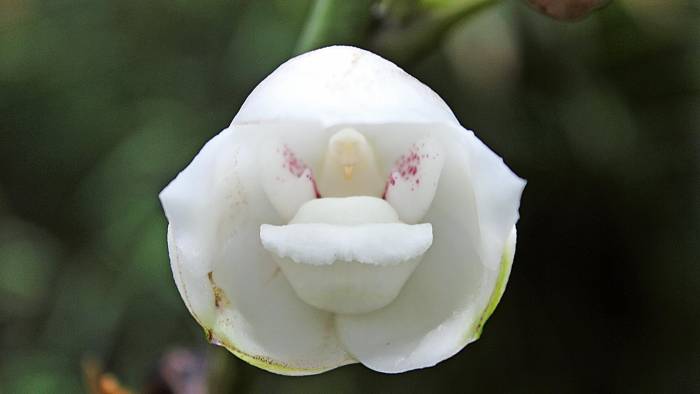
(235, 289)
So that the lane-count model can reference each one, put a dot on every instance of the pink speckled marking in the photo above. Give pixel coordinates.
(407, 168)
(291, 163)
(390, 182)
(297, 167)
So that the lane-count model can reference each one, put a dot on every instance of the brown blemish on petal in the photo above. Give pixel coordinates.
(355, 58)
(273, 275)
(220, 299)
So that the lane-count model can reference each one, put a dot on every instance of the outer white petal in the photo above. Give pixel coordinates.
(456, 287)
(342, 85)
(228, 281)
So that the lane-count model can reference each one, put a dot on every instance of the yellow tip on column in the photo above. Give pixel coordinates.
(349, 167)
(347, 172)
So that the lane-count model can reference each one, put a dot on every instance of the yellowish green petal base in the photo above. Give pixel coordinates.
(498, 290)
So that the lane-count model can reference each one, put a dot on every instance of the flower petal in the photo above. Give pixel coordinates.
(230, 284)
(497, 191)
(342, 85)
(287, 180)
(442, 306)
(501, 281)
(414, 179)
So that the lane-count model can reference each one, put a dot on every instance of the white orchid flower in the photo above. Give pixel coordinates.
(344, 216)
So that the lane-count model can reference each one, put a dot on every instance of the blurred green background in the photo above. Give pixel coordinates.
(103, 102)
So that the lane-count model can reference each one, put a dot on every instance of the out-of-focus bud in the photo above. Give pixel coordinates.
(179, 371)
(567, 10)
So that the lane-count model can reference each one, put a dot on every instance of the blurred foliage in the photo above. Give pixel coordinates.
(103, 102)
(334, 21)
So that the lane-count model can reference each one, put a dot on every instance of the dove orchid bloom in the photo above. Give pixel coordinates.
(344, 216)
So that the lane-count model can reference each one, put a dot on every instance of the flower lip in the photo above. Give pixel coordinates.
(347, 255)
(324, 244)
(359, 229)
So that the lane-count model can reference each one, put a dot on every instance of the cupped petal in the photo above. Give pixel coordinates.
(444, 304)
(228, 281)
(414, 179)
(342, 84)
(287, 180)
(497, 191)
(233, 288)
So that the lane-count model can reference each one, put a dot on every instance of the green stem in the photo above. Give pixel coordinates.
(334, 22)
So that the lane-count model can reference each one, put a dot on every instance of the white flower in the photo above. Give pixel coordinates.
(344, 216)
